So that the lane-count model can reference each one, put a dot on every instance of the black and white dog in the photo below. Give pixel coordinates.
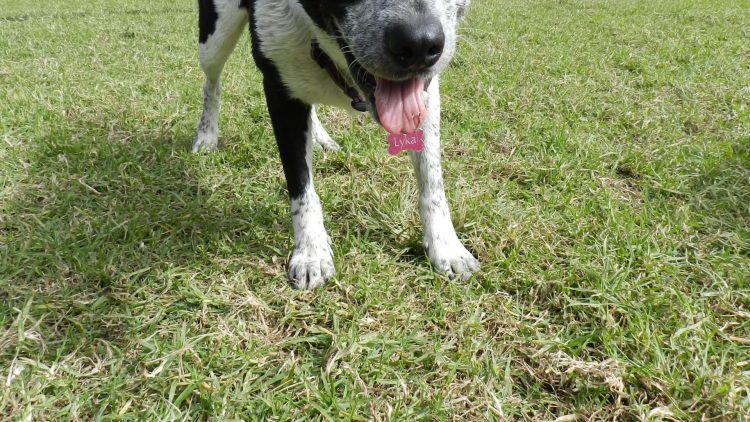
(381, 56)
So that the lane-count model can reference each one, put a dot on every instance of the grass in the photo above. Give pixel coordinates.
(597, 159)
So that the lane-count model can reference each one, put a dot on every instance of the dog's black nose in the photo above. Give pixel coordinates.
(416, 44)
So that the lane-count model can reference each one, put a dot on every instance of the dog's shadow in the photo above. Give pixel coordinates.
(98, 215)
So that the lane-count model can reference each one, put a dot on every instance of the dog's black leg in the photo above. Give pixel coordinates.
(219, 32)
(445, 250)
(311, 263)
(312, 259)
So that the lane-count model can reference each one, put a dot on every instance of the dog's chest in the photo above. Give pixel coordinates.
(285, 35)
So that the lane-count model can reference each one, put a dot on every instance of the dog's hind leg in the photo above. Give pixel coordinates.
(320, 134)
(221, 24)
(445, 250)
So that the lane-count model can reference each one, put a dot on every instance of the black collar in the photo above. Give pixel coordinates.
(325, 62)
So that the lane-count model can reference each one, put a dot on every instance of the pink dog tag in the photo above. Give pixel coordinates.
(409, 142)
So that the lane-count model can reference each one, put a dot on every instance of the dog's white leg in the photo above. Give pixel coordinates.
(207, 134)
(312, 259)
(445, 250)
(320, 134)
(214, 52)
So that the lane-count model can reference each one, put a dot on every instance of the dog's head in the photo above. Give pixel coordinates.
(392, 48)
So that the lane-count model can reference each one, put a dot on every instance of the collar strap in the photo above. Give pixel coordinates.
(325, 62)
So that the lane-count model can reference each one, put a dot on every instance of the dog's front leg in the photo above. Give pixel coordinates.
(445, 250)
(312, 259)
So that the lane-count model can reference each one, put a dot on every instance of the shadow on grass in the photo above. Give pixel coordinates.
(98, 226)
(723, 187)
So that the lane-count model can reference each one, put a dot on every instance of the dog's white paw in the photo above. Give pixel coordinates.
(205, 141)
(451, 258)
(311, 265)
(322, 139)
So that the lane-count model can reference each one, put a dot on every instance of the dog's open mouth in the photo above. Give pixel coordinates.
(398, 105)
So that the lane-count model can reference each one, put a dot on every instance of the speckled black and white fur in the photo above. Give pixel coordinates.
(350, 32)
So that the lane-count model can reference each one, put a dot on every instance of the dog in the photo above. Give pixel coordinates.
(378, 56)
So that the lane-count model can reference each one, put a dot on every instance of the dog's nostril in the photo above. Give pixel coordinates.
(405, 54)
(416, 44)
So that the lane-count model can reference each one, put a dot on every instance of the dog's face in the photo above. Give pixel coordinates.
(392, 47)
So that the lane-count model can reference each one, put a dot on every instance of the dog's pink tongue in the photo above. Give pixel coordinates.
(400, 104)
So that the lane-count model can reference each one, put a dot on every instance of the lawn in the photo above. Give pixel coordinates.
(597, 159)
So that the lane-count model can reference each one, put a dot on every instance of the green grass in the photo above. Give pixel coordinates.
(597, 157)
